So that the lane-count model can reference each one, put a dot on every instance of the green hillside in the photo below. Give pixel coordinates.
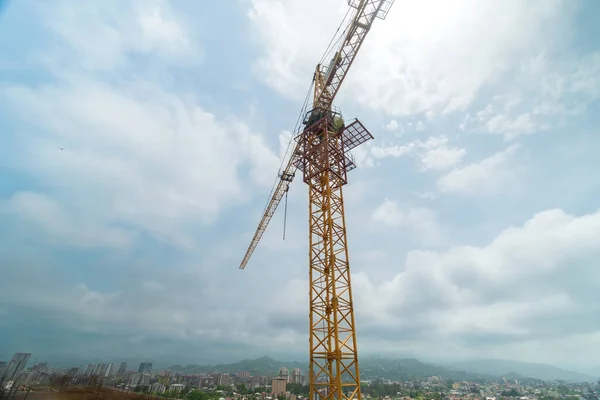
(371, 368)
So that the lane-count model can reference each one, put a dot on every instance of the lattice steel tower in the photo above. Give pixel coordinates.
(321, 151)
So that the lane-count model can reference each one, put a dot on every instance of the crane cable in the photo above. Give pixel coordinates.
(296, 129)
(331, 42)
(285, 212)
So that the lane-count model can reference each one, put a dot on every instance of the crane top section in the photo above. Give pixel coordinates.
(327, 81)
(329, 78)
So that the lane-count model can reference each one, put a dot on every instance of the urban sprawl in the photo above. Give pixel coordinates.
(286, 385)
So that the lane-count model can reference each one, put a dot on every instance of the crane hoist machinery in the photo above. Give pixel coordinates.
(320, 150)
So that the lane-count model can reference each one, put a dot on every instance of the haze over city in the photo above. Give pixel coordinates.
(140, 140)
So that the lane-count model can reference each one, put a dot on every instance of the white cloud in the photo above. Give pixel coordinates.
(456, 302)
(420, 223)
(428, 195)
(116, 28)
(433, 154)
(162, 33)
(489, 175)
(415, 60)
(451, 302)
(436, 154)
(292, 51)
(149, 156)
(51, 218)
(441, 158)
(544, 93)
(420, 126)
(263, 162)
(392, 125)
(391, 151)
(512, 128)
(154, 159)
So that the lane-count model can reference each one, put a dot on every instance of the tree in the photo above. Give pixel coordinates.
(297, 388)
(198, 395)
(511, 393)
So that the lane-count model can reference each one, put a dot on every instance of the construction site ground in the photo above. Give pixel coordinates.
(80, 394)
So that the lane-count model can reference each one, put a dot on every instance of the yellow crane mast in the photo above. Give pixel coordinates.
(321, 152)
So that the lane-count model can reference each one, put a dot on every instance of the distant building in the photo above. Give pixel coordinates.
(41, 367)
(145, 368)
(177, 387)
(135, 379)
(123, 368)
(15, 366)
(278, 386)
(157, 388)
(223, 380)
(165, 378)
(284, 373)
(3, 366)
(297, 376)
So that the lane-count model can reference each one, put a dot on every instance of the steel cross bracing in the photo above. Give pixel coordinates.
(333, 370)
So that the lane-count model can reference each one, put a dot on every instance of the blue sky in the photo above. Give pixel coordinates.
(473, 216)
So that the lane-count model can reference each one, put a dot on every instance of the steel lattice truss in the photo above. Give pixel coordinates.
(321, 152)
(334, 372)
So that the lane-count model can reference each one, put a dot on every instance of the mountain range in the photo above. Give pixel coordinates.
(409, 368)
(533, 370)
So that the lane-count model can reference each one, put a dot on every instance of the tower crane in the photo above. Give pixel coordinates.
(321, 153)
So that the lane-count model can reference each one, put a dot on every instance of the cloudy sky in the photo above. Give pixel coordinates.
(139, 140)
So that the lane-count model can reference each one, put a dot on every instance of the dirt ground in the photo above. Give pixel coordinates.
(81, 394)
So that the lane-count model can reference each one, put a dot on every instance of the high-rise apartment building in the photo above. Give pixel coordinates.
(145, 368)
(109, 370)
(297, 375)
(15, 366)
(278, 386)
(224, 380)
(284, 373)
(123, 368)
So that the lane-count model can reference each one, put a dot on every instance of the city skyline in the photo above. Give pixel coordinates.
(141, 139)
(381, 381)
(292, 369)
